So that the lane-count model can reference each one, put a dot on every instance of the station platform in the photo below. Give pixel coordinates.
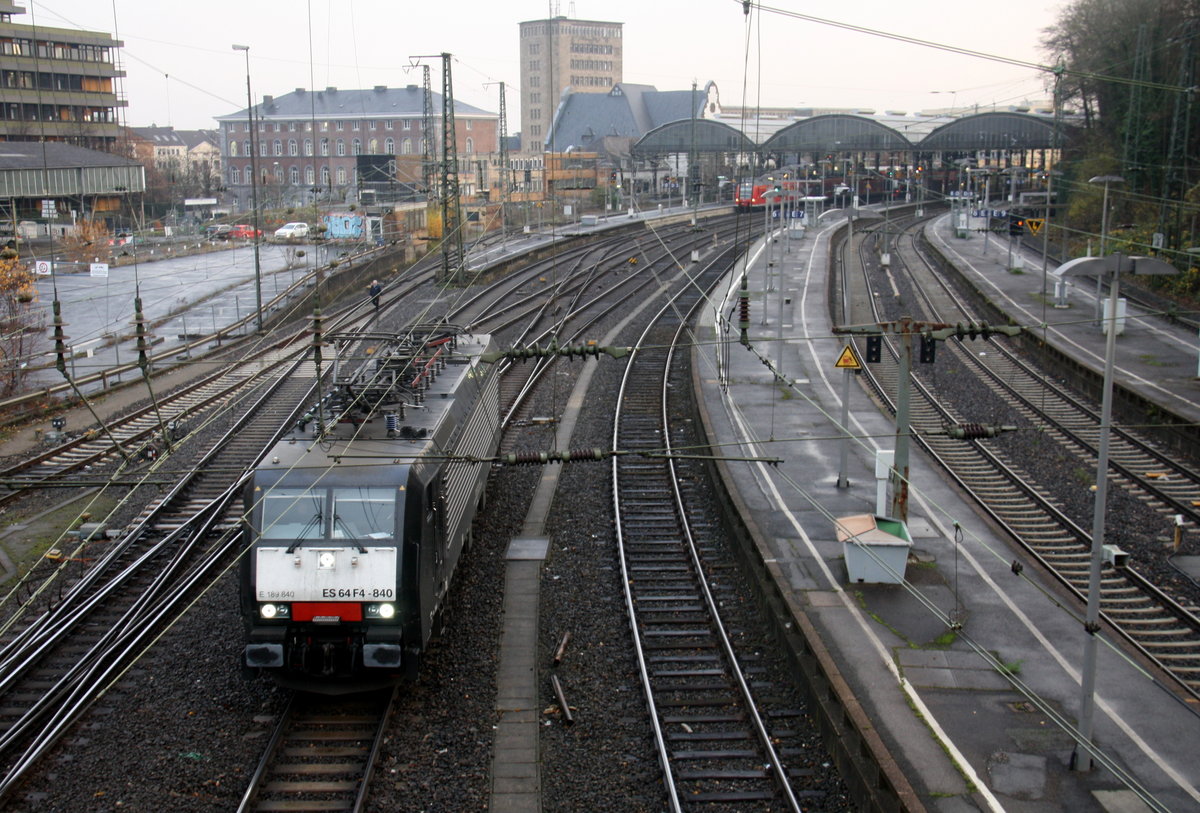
(967, 672)
(1156, 358)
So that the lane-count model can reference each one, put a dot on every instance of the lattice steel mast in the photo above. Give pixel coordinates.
(427, 140)
(452, 242)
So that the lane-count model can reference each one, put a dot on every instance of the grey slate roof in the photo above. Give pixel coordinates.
(334, 103)
(160, 136)
(28, 155)
(194, 138)
(627, 110)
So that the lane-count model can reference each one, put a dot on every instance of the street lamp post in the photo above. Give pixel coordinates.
(1048, 175)
(768, 196)
(1106, 180)
(987, 202)
(253, 188)
(1101, 266)
(1013, 173)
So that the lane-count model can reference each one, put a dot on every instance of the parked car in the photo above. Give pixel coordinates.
(218, 232)
(290, 231)
(246, 231)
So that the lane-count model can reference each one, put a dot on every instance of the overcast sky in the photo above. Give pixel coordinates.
(182, 71)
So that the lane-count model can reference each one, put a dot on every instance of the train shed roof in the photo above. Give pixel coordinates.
(846, 132)
(701, 135)
(992, 131)
(837, 133)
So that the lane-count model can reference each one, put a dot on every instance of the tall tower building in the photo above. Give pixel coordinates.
(584, 55)
(58, 83)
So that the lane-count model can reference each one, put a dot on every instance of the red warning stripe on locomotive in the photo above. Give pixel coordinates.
(327, 612)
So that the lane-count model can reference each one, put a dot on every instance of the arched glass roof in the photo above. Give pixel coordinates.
(676, 136)
(992, 131)
(836, 133)
(841, 133)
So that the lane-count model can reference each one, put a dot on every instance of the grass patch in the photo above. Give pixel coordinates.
(45, 531)
(1012, 668)
(1152, 361)
(946, 639)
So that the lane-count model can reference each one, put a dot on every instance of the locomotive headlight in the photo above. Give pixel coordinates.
(267, 610)
(383, 611)
(273, 610)
(326, 560)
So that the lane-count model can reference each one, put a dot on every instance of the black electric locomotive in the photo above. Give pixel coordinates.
(358, 518)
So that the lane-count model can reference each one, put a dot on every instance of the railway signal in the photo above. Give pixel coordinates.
(929, 333)
(928, 349)
(874, 348)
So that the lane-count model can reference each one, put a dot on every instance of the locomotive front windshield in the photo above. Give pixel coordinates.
(298, 514)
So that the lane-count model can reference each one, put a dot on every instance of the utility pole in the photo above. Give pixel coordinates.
(504, 174)
(452, 242)
(427, 140)
(693, 174)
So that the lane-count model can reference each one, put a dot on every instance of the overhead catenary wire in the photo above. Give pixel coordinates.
(955, 49)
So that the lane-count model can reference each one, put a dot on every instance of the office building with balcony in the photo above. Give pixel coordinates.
(58, 84)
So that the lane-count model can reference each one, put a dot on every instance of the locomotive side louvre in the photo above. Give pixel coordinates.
(356, 533)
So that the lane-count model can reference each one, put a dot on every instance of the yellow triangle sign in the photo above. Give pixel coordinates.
(848, 360)
(1035, 224)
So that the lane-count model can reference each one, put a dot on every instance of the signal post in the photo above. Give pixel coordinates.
(929, 334)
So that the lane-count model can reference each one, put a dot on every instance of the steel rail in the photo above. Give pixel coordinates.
(624, 394)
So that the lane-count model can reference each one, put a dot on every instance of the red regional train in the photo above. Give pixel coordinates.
(751, 194)
(791, 181)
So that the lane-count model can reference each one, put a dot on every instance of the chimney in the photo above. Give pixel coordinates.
(300, 91)
(267, 100)
(380, 88)
(331, 90)
(411, 88)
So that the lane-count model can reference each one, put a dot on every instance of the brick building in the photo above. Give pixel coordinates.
(323, 145)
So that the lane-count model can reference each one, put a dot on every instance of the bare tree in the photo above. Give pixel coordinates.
(20, 323)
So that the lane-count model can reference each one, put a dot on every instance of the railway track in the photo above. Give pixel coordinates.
(55, 666)
(582, 307)
(321, 754)
(584, 296)
(136, 432)
(110, 595)
(1161, 629)
(717, 746)
(1149, 473)
(145, 433)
